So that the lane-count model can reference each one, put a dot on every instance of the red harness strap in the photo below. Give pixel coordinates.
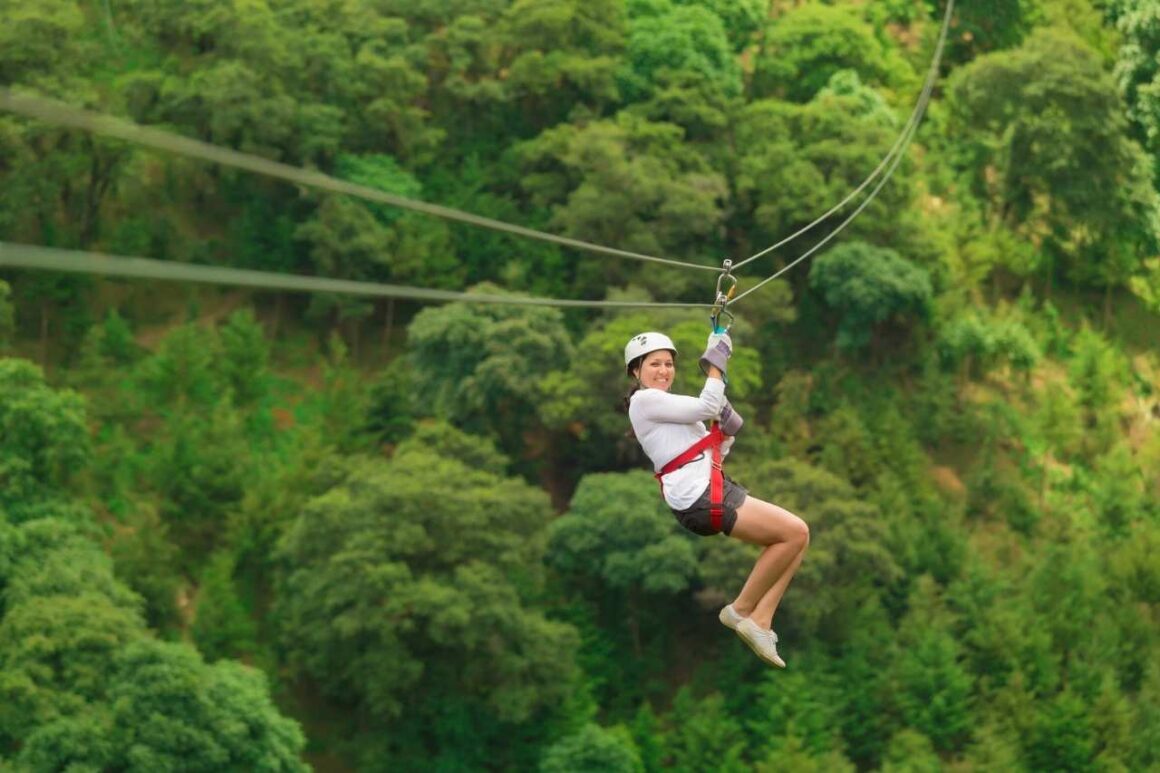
(712, 441)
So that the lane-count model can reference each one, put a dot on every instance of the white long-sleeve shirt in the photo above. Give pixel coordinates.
(666, 425)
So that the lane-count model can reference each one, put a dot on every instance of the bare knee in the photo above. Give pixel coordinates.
(800, 534)
(762, 523)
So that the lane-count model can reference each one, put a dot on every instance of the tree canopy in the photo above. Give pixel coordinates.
(250, 529)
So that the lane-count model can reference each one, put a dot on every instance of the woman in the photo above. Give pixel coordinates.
(667, 426)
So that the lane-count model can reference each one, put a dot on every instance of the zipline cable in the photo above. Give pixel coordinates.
(52, 111)
(75, 261)
(61, 114)
(924, 100)
(55, 112)
(898, 147)
(828, 236)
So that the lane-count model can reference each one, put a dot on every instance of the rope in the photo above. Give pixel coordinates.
(58, 113)
(915, 117)
(907, 136)
(74, 261)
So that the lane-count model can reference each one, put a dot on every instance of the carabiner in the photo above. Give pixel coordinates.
(723, 297)
(726, 273)
(716, 320)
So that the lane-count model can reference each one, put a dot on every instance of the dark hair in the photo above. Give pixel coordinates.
(636, 382)
(628, 397)
(636, 387)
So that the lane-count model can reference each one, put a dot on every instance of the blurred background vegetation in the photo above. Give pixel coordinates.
(265, 531)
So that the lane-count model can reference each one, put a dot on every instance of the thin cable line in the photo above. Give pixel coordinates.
(55, 112)
(915, 117)
(76, 261)
(923, 102)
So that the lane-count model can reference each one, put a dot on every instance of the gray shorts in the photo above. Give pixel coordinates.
(697, 518)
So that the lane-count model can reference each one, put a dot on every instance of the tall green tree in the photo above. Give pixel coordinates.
(1095, 370)
(789, 163)
(933, 687)
(909, 751)
(1148, 720)
(1137, 70)
(430, 591)
(167, 709)
(181, 373)
(865, 717)
(44, 439)
(478, 364)
(627, 182)
(681, 68)
(593, 750)
(222, 626)
(560, 56)
(797, 717)
(146, 559)
(875, 291)
(85, 686)
(620, 545)
(200, 467)
(57, 183)
(1043, 138)
(668, 38)
(742, 19)
(703, 735)
(347, 238)
(804, 47)
(988, 25)
(245, 357)
(975, 345)
(1063, 738)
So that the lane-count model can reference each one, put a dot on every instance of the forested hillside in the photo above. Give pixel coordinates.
(259, 530)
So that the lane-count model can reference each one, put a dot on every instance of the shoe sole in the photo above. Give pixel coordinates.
(749, 643)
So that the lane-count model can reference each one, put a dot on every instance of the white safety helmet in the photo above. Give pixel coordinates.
(642, 344)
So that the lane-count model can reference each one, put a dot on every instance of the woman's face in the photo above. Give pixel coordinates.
(657, 370)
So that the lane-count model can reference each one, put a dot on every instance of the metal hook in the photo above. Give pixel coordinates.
(723, 298)
(726, 273)
(716, 320)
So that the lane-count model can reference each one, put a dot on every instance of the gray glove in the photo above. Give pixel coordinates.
(730, 420)
(717, 352)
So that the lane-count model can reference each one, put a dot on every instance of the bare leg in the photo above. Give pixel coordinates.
(766, 608)
(786, 537)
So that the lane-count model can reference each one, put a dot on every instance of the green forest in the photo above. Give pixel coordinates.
(245, 529)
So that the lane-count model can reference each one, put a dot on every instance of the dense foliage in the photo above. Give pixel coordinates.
(256, 531)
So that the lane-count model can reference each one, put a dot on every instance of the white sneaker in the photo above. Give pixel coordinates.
(761, 640)
(729, 617)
